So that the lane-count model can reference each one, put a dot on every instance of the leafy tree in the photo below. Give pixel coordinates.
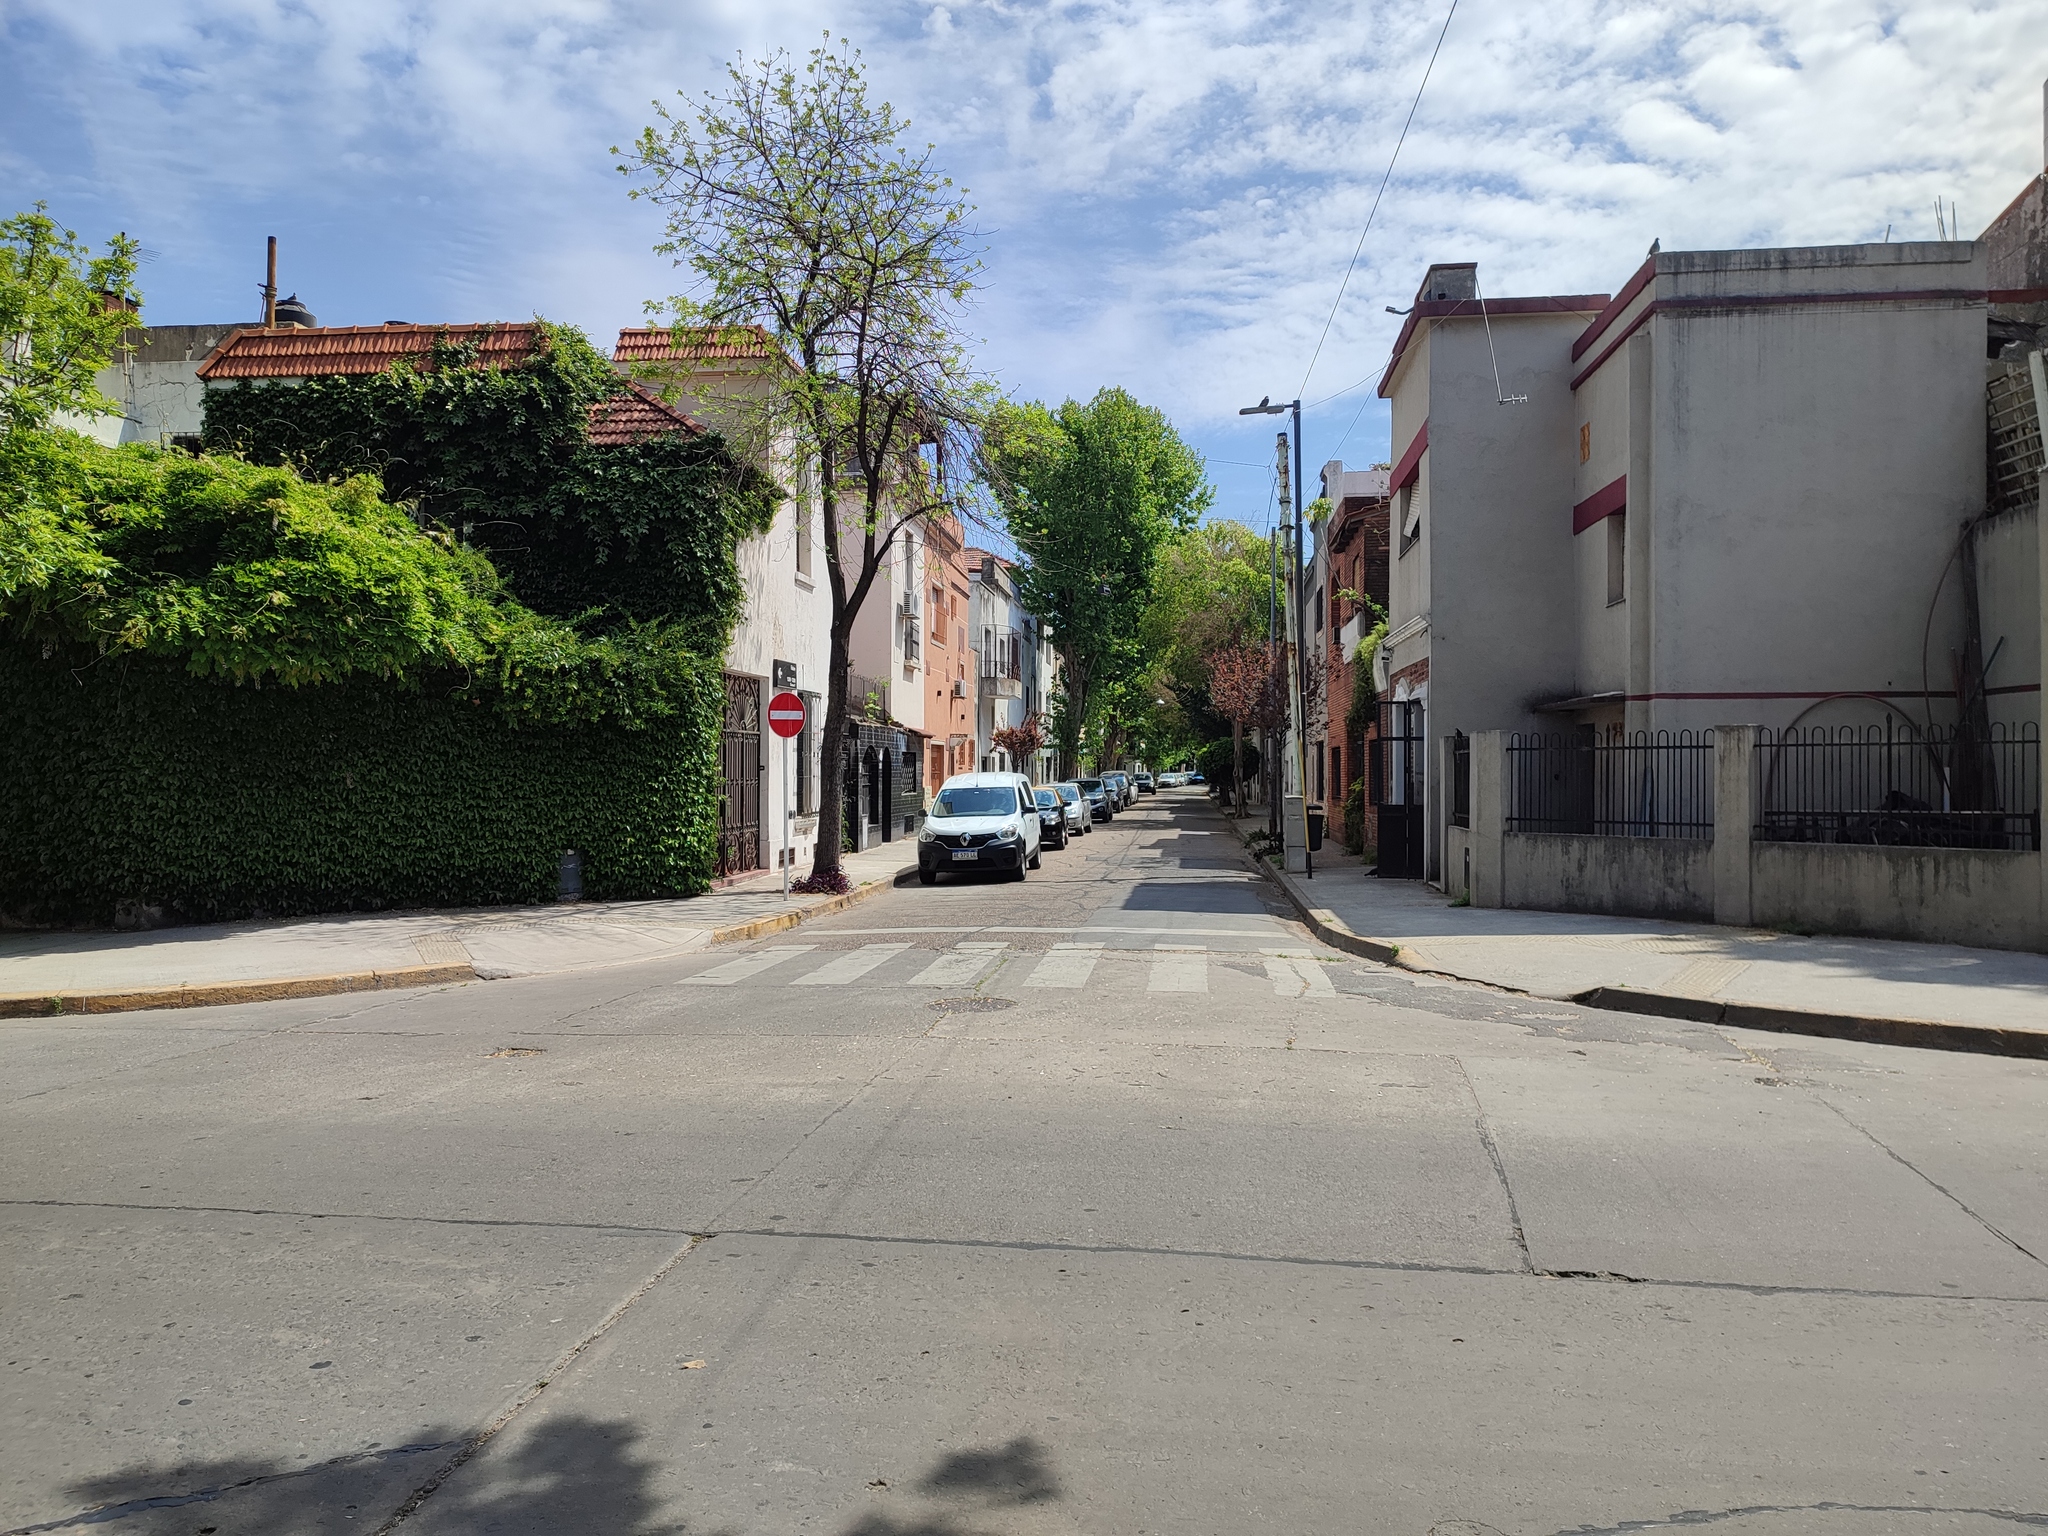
(1249, 688)
(1092, 494)
(64, 314)
(798, 206)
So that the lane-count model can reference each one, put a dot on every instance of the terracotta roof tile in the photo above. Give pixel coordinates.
(656, 344)
(637, 415)
(298, 352)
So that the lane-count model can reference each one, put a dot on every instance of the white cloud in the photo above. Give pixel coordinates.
(1172, 186)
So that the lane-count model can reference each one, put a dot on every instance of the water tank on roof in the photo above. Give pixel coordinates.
(291, 312)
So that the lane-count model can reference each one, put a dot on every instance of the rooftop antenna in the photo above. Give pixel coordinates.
(1500, 397)
(270, 286)
(1940, 220)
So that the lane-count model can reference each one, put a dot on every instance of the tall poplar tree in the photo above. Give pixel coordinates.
(1091, 494)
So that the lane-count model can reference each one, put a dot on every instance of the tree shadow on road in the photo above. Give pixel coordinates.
(571, 1473)
(568, 1474)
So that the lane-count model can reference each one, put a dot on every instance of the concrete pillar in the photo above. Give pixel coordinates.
(1489, 818)
(1734, 819)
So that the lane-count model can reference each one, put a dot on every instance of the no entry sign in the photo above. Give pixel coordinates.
(786, 714)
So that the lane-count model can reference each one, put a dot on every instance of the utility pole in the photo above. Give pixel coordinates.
(1297, 645)
(270, 286)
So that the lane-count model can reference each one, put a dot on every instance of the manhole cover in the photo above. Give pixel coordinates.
(516, 1050)
(973, 1004)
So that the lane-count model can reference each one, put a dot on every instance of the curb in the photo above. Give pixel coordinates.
(789, 917)
(1924, 1034)
(24, 1005)
(1321, 921)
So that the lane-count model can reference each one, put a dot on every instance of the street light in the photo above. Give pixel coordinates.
(1297, 642)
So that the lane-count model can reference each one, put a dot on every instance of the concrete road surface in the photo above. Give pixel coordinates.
(1102, 1203)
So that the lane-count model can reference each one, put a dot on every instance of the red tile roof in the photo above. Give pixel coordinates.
(300, 352)
(635, 416)
(657, 344)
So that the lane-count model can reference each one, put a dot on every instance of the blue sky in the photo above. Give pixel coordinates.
(1170, 189)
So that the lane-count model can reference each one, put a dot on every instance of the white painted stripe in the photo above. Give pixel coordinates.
(1179, 968)
(958, 967)
(1298, 976)
(1065, 965)
(747, 965)
(837, 973)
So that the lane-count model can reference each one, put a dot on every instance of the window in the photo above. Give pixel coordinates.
(1408, 513)
(806, 741)
(1319, 610)
(803, 536)
(1617, 558)
(938, 615)
(910, 639)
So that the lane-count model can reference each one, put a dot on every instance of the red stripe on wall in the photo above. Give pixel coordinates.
(1410, 465)
(1603, 503)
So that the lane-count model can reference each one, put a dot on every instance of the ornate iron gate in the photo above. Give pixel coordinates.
(739, 800)
(1397, 790)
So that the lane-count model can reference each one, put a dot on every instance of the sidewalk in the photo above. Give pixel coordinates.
(44, 973)
(1936, 995)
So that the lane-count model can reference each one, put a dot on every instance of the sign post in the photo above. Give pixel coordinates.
(786, 719)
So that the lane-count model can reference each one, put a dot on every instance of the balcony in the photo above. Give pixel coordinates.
(1001, 653)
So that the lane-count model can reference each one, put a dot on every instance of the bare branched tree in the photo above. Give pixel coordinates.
(799, 208)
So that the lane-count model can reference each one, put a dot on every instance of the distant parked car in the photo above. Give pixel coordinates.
(1196, 778)
(1101, 799)
(1052, 816)
(1120, 790)
(1078, 819)
(980, 821)
(1143, 782)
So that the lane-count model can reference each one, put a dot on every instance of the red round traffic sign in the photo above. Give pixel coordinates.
(786, 714)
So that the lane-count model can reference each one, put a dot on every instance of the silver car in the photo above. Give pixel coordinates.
(1078, 818)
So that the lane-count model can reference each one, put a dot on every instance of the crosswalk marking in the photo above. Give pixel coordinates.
(1298, 976)
(837, 973)
(1179, 968)
(958, 966)
(1065, 965)
(747, 965)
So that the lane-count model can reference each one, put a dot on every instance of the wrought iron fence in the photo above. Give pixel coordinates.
(1901, 785)
(1611, 784)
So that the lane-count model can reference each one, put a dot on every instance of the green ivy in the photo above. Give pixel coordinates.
(132, 779)
(498, 458)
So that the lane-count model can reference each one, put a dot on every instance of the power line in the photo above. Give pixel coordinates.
(1374, 211)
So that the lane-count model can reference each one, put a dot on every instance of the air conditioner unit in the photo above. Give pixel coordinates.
(907, 606)
(959, 687)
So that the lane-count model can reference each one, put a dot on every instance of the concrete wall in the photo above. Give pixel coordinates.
(2009, 594)
(1665, 877)
(1936, 895)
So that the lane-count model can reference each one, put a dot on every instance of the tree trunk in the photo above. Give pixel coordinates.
(1237, 764)
(832, 762)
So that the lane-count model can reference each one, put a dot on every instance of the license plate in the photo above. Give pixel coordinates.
(964, 855)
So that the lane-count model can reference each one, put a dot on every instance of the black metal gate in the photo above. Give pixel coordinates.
(1397, 790)
(739, 799)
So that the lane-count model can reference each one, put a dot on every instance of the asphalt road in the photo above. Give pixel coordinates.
(1103, 1203)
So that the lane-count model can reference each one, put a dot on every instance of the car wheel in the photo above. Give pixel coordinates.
(1036, 854)
(927, 877)
(1018, 872)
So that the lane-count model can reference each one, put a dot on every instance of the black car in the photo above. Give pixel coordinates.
(1144, 783)
(1052, 818)
(1101, 799)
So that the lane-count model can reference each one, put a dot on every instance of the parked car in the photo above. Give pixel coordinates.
(1142, 782)
(1196, 778)
(1078, 819)
(1101, 800)
(1052, 816)
(980, 821)
(1121, 795)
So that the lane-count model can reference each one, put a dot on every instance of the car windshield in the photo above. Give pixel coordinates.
(976, 800)
(1089, 786)
(1068, 792)
(1048, 798)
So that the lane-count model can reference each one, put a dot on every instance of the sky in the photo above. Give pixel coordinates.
(1169, 192)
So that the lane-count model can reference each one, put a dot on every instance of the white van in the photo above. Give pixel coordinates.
(980, 821)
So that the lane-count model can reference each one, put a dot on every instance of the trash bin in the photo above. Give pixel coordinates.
(569, 877)
(1315, 829)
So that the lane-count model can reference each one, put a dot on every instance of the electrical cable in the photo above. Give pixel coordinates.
(1374, 211)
